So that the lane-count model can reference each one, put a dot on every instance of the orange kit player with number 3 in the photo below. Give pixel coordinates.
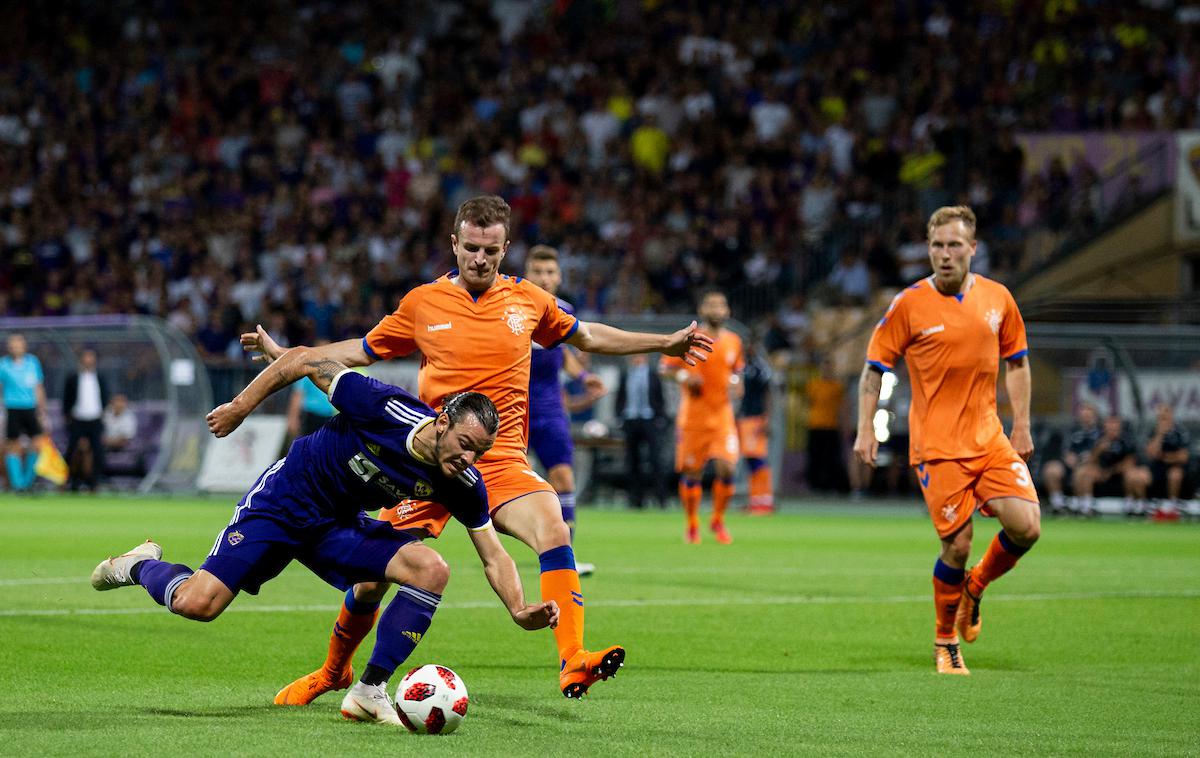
(952, 329)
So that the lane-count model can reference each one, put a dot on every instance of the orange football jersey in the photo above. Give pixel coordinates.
(710, 406)
(952, 345)
(474, 344)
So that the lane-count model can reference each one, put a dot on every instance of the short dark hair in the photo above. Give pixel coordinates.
(709, 291)
(541, 253)
(483, 211)
(476, 404)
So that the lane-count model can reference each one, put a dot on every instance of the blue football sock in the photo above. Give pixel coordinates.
(359, 607)
(401, 626)
(567, 501)
(30, 469)
(12, 462)
(160, 579)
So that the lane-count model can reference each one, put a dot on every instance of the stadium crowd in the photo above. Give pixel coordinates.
(297, 163)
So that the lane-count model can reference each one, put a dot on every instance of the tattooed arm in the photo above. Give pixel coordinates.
(294, 364)
(866, 446)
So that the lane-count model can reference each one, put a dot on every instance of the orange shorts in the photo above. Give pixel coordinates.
(955, 489)
(695, 448)
(753, 434)
(507, 479)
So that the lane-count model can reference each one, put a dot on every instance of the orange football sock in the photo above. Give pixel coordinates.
(349, 631)
(690, 494)
(560, 583)
(760, 488)
(1002, 554)
(722, 492)
(947, 591)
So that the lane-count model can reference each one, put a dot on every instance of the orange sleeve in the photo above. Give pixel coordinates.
(671, 363)
(891, 336)
(1013, 343)
(740, 365)
(394, 335)
(554, 324)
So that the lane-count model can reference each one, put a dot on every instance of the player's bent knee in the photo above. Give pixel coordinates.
(196, 607)
(552, 535)
(430, 572)
(370, 592)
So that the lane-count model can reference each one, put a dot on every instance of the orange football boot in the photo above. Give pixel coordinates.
(721, 533)
(585, 669)
(311, 686)
(948, 657)
(967, 620)
(692, 535)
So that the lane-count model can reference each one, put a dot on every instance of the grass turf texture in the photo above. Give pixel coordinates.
(812, 633)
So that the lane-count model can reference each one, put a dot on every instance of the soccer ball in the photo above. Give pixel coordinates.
(431, 699)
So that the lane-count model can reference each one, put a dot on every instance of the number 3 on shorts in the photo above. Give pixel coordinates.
(1022, 473)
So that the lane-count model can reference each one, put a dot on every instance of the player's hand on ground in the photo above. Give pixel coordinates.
(690, 344)
(261, 343)
(223, 419)
(866, 447)
(1022, 442)
(537, 616)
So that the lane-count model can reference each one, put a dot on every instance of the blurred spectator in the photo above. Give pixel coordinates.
(24, 395)
(1168, 450)
(120, 424)
(1112, 469)
(643, 417)
(754, 430)
(826, 394)
(85, 395)
(1080, 442)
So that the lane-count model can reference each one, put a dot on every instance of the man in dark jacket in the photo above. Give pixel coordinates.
(85, 395)
(642, 412)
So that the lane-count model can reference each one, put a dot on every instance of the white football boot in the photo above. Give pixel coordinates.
(585, 569)
(116, 572)
(371, 703)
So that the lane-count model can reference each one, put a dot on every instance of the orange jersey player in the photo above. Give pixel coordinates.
(475, 329)
(953, 329)
(705, 426)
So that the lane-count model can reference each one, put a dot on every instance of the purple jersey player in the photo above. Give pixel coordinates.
(549, 428)
(384, 446)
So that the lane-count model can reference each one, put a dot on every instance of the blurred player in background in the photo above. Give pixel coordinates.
(309, 506)
(754, 430)
(953, 329)
(474, 328)
(1168, 450)
(1112, 469)
(705, 425)
(549, 427)
(23, 388)
(1078, 448)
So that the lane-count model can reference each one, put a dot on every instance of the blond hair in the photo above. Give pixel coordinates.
(949, 214)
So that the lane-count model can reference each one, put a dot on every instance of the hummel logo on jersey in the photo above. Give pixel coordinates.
(414, 636)
(948, 512)
(933, 330)
(439, 327)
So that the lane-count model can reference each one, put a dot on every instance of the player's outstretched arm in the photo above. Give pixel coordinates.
(689, 343)
(501, 572)
(1018, 380)
(347, 352)
(866, 446)
(293, 364)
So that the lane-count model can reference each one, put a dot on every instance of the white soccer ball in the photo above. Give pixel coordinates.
(431, 699)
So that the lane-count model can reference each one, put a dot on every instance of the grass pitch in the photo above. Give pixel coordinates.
(811, 634)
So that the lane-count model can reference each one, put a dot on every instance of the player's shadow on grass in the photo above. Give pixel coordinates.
(223, 712)
(528, 710)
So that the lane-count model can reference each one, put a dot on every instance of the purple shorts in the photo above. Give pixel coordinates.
(261, 540)
(551, 440)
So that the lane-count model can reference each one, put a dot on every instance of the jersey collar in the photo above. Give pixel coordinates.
(408, 442)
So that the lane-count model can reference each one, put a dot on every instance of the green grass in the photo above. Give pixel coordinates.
(811, 634)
